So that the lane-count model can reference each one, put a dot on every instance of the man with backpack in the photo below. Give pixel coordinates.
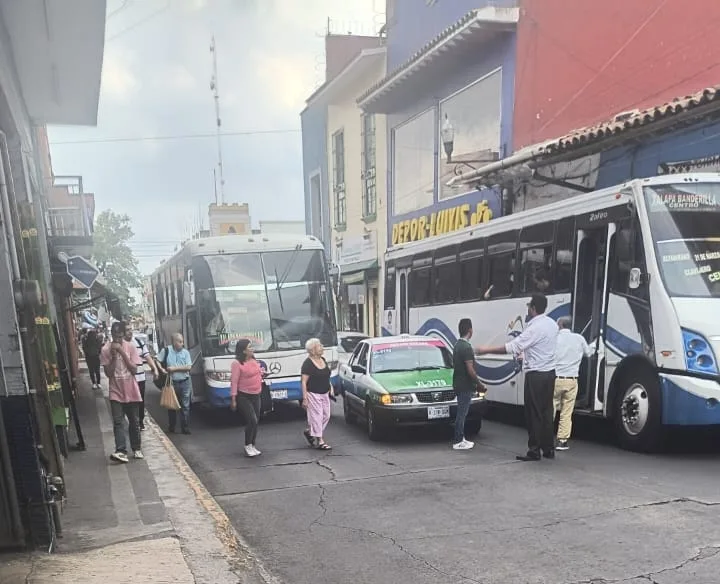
(145, 359)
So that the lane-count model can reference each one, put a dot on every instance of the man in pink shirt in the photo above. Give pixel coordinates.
(118, 357)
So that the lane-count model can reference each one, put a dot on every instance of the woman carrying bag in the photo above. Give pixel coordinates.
(246, 385)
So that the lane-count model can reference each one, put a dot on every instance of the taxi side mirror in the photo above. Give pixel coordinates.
(358, 369)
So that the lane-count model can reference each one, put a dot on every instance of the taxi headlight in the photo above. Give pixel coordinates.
(388, 400)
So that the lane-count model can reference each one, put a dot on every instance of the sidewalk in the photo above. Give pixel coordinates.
(147, 521)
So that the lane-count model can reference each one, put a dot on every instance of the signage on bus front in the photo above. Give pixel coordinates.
(440, 222)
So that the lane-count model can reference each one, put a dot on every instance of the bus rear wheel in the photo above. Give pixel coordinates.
(637, 412)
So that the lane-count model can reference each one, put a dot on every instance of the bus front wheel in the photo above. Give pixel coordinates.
(637, 412)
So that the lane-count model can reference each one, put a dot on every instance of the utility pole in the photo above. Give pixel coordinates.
(216, 97)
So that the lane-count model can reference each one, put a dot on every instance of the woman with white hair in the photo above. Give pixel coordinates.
(316, 390)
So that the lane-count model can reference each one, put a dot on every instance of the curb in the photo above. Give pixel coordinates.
(243, 559)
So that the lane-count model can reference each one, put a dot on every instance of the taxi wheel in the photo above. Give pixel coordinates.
(374, 430)
(350, 416)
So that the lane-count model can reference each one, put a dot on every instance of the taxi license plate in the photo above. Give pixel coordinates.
(278, 394)
(435, 412)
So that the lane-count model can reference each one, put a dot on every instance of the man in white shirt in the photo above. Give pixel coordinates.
(537, 345)
(569, 352)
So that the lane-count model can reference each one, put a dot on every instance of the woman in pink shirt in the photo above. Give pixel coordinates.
(246, 380)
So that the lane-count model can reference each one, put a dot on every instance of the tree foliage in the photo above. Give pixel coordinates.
(114, 258)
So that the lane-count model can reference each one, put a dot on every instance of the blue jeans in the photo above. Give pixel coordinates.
(183, 391)
(120, 411)
(463, 407)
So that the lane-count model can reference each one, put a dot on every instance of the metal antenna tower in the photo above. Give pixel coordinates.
(216, 97)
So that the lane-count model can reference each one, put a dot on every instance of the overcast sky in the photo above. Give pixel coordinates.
(155, 82)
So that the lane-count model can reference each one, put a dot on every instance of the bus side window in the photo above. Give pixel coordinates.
(564, 253)
(536, 245)
(470, 260)
(420, 285)
(389, 292)
(502, 253)
(445, 276)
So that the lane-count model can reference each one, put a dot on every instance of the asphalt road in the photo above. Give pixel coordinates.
(411, 510)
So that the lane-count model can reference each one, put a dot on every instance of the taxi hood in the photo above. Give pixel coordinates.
(407, 381)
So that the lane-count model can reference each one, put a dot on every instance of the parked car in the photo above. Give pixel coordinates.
(347, 341)
(403, 380)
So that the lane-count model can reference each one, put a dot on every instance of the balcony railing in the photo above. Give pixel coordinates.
(68, 222)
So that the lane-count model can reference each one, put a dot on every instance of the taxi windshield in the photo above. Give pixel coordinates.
(396, 357)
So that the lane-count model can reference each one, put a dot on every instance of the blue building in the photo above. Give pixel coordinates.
(313, 121)
(449, 99)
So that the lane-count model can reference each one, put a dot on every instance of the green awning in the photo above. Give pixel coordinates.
(355, 273)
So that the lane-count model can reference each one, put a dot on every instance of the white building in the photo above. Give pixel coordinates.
(357, 167)
(229, 218)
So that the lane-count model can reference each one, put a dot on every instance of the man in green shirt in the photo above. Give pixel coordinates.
(465, 382)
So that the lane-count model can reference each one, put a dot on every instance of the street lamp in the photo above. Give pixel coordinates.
(448, 138)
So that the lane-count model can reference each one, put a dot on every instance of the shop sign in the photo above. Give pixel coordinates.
(440, 222)
(357, 249)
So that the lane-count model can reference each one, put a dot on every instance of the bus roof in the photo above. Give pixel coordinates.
(577, 205)
(242, 243)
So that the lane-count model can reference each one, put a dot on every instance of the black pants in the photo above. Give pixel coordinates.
(539, 411)
(93, 363)
(249, 405)
(141, 412)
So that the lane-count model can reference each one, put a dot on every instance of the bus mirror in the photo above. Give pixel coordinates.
(189, 293)
(634, 279)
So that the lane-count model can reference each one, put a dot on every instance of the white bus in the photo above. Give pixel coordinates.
(636, 266)
(274, 290)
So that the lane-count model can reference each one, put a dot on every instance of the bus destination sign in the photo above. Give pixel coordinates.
(684, 201)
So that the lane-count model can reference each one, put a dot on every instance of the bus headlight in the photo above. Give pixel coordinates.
(218, 375)
(699, 357)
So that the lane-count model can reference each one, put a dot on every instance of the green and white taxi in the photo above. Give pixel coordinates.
(403, 380)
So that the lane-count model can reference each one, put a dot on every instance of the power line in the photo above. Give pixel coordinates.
(176, 137)
(138, 23)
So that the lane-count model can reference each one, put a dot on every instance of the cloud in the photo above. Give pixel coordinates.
(156, 83)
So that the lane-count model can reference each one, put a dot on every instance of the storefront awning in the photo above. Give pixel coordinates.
(461, 40)
(355, 273)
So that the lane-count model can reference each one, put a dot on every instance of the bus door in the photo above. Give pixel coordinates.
(401, 301)
(594, 235)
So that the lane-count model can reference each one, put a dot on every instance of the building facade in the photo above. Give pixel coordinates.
(340, 50)
(229, 219)
(448, 96)
(357, 161)
(43, 80)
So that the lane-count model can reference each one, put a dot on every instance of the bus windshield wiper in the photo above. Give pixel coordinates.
(279, 283)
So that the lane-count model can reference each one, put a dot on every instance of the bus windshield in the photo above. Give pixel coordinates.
(278, 300)
(684, 221)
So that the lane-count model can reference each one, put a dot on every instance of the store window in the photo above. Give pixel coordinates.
(413, 163)
(471, 120)
(369, 171)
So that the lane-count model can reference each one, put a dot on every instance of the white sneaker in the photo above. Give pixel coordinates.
(255, 450)
(463, 445)
(119, 457)
(250, 451)
(471, 444)
(138, 455)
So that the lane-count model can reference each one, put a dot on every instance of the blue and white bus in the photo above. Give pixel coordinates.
(636, 266)
(274, 290)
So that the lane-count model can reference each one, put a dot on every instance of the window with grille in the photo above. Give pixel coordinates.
(338, 153)
(369, 172)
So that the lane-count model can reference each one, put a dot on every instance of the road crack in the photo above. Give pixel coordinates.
(550, 524)
(704, 553)
(322, 464)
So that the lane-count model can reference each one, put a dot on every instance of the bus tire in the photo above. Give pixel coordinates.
(637, 411)
(350, 416)
(374, 430)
